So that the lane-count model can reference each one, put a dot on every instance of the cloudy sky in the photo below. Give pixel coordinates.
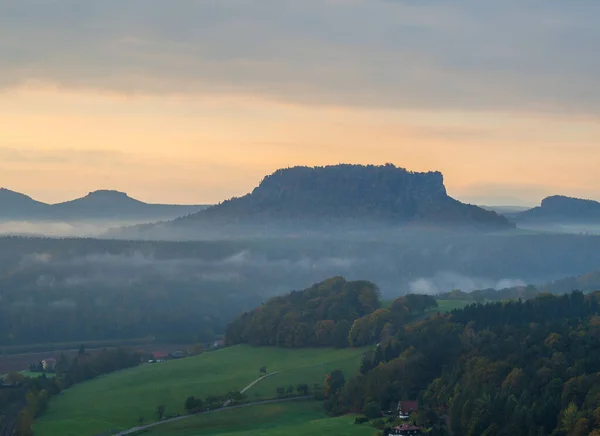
(194, 101)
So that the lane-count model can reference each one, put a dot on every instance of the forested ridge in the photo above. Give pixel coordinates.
(321, 315)
(508, 368)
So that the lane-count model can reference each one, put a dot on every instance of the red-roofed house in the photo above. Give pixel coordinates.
(407, 408)
(158, 356)
(407, 430)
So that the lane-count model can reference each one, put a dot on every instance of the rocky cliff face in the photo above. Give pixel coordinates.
(352, 192)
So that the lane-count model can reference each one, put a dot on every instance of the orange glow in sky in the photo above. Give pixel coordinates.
(196, 101)
(58, 144)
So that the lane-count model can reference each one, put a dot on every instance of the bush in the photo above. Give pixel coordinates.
(361, 420)
(372, 410)
(379, 424)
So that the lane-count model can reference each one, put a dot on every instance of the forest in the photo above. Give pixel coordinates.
(507, 368)
(321, 315)
(334, 312)
(82, 290)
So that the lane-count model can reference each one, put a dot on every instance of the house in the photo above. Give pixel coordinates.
(158, 356)
(178, 354)
(49, 364)
(406, 430)
(218, 344)
(407, 408)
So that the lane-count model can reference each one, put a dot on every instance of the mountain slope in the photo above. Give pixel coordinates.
(559, 208)
(107, 204)
(345, 193)
(97, 205)
(14, 205)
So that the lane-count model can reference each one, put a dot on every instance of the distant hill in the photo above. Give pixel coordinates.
(341, 194)
(585, 283)
(506, 210)
(97, 205)
(559, 208)
(107, 204)
(14, 205)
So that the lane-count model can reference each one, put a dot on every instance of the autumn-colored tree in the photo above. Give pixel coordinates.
(334, 382)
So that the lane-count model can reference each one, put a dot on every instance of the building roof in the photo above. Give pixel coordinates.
(159, 354)
(407, 427)
(407, 406)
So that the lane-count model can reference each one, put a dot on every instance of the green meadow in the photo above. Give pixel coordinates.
(298, 418)
(116, 401)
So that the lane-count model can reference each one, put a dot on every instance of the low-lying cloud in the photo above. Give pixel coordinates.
(448, 281)
(128, 269)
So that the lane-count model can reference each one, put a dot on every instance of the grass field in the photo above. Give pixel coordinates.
(302, 418)
(450, 305)
(443, 305)
(117, 400)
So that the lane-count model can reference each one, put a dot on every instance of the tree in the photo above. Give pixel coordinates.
(263, 370)
(280, 392)
(81, 351)
(160, 411)
(13, 378)
(302, 389)
(196, 349)
(372, 410)
(191, 403)
(140, 420)
(340, 334)
(290, 389)
(334, 382)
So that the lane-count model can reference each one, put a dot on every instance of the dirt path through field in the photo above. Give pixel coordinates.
(179, 418)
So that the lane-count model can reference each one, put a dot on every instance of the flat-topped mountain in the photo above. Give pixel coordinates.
(560, 208)
(97, 205)
(348, 193)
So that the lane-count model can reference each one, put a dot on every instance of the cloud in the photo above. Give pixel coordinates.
(130, 268)
(62, 156)
(448, 281)
(438, 54)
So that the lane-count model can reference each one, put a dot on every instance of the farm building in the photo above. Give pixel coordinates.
(49, 364)
(406, 430)
(407, 408)
(158, 356)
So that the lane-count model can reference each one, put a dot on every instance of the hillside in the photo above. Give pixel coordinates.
(559, 208)
(507, 368)
(97, 205)
(107, 204)
(300, 418)
(117, 400)
(14, 205)
(586, 283)
(321, 315)
(344, 194)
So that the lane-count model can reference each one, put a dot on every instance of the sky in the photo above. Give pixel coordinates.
(195, 101)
